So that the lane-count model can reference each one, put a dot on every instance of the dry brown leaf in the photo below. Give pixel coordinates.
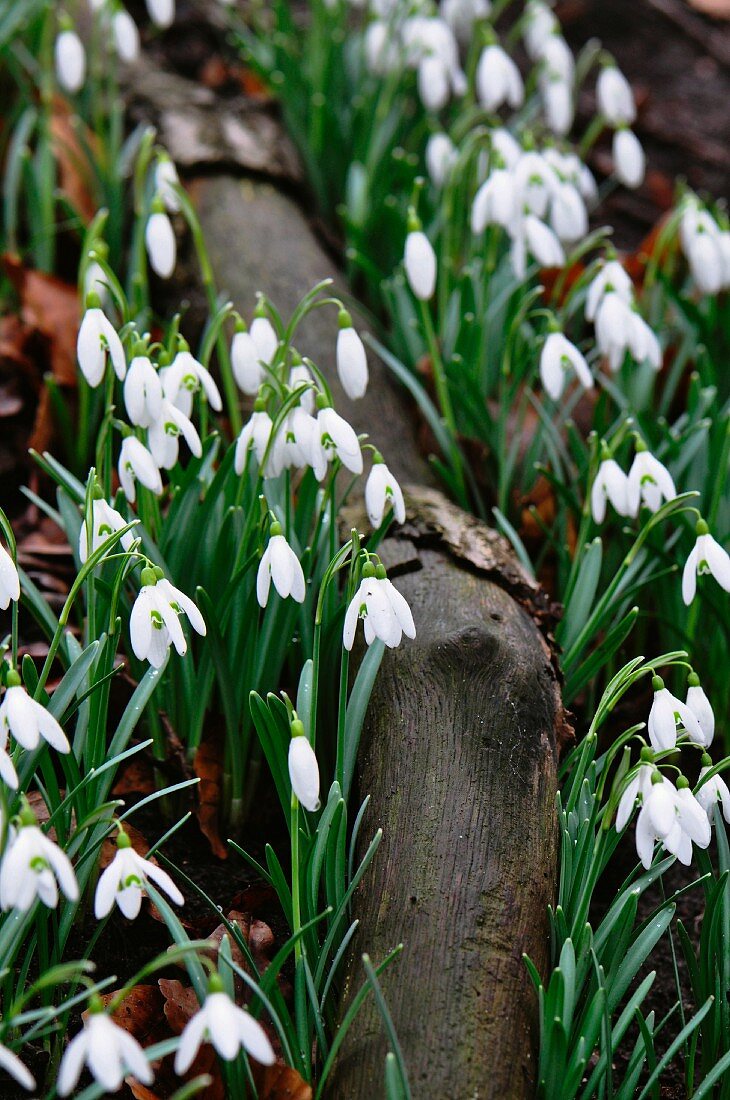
(140, 1013)
(280, 1083)
(208, 766)
(75, 173)
(53, 308)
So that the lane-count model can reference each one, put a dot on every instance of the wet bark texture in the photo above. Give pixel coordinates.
(458, 757)
(459, 749)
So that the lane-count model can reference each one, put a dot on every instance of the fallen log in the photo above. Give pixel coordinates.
(458, 757)
(459, 750)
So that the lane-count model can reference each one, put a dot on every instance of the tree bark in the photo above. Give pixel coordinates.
(458, 757)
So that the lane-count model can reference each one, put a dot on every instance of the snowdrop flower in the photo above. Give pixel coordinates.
(154, 623)
(494, 202)
(28, 720)
(441, 155)
(303, 768)
(33, 866)
(666, 712)
(256, 435)
(611, 279)
(430, 48)
(615, 98)
(433, 83)
(9, 580)
(126, 35)
(672, 816)
(558, 105)
(13, 1065)
(299, 376)
(702, 243)
(384, 611)
(535, 182)
(381, 48)
(70, 61)
(184, 377)
(556, 58)
(713, 791)
(650, 483)
(461, 15)
(352, 364)
(8, 773)
(611, 483)
(505, 147)
(137, 464)
(228, 1027)
(700, 706)
(542, 243)
(559, 356)
(161, 12)
(498, 80)
(159, 238)
(629, 162)
(95, 280)
(568, 214)
(247, 369)
(280, 564)
(615, 330)
(110, 1052)
(105, 520)
(163, 436)
(419, 261)
(643, 343)
(166, 182)
(264, 337)
(96, 340)
(142, 392)
(300, 439)
(707, 556)
(335, 439)
(382, 491)
(538, 24)
(126, 877)
(638, 788)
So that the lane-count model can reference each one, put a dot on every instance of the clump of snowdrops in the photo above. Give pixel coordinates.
(596, 392)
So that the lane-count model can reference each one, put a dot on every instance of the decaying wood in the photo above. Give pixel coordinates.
(459, 751)
(458, 758)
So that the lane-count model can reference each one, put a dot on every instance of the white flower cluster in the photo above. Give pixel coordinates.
(541, 199)
(706, 246)
(671, 813)
(620, 328)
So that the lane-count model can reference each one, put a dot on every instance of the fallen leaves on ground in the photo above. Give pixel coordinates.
(52, 308)
(75, 171)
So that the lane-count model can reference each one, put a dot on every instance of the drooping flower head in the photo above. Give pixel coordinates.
(303, 768)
